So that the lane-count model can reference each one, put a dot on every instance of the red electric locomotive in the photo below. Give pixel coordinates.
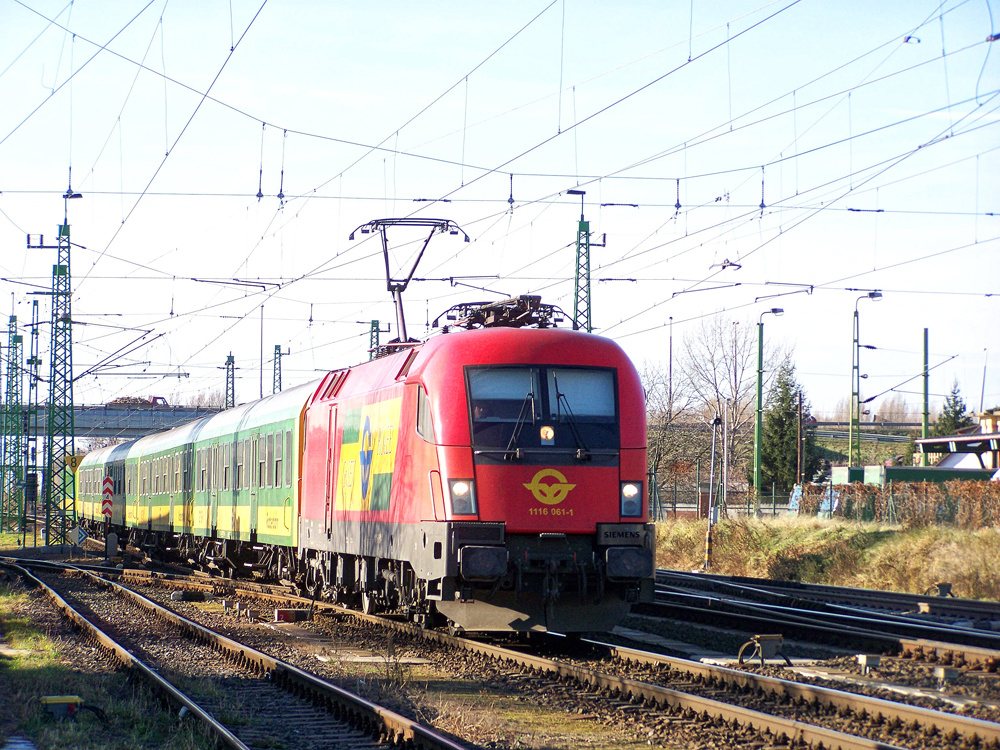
(495, 476)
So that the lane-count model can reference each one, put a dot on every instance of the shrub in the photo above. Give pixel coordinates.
(960, 503)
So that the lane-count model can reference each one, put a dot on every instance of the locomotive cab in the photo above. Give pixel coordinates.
(549, 499)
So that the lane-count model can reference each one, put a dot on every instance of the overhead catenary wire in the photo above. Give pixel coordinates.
(770, 208)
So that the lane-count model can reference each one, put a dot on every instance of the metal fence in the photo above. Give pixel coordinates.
(682, 500)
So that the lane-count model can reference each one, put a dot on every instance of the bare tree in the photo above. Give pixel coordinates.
(720, 370)
(841, 411)
(677, 437)
(92, 444)
(896, 409)
(208, 398)
(668, 405)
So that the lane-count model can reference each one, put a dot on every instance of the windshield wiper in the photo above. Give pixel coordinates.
(513, 452)
(582, 451)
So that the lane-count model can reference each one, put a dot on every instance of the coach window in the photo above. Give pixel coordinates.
(269, 477)
(277, 460)
(239, 465)
(226, 457)
(261, 462)
(424, 428)
(247, 464)
(288, 458)
(202, 471)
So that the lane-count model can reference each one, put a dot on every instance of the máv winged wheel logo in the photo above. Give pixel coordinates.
(552, 493)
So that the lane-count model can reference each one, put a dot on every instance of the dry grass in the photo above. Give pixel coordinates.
(840, 552)
(127, 716)
(9, 541)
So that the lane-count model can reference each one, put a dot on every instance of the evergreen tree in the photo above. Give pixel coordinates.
(954, 416)
(779, 454)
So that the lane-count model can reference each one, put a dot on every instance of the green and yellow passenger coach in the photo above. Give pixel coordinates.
(231, 478)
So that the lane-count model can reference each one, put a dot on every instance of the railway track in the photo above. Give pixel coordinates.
(939, 603)
(740, 699)
(285, 706)
(656, 695)
(758, 609)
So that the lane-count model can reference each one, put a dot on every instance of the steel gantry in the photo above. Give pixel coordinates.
(60, 449)
(581, 285)
(276, 381)
(12, 485)
(278, 354)
(32, 430)
(582, 317)
(230, 382)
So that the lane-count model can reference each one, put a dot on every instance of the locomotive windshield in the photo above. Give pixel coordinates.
(542, 413)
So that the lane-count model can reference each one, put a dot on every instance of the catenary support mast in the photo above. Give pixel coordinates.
(60, 451)
(13, 435)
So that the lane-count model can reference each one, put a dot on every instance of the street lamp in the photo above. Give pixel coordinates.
(758, 429)
(854, 432)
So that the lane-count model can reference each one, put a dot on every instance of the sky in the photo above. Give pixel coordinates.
(735, 156)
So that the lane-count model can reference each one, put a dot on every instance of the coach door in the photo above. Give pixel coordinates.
(254, 468)
(331, 474)
(213, 479)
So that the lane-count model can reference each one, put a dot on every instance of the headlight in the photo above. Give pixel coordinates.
(463, 497)
(631, 499)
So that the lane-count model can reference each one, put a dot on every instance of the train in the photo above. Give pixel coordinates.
(490, 479)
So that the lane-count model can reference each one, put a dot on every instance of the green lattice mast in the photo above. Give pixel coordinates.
(13, 435)
(60, 489)
(276, 382)
(230, 382)
(32, 458)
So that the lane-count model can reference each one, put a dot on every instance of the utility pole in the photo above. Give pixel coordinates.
(60, 487)
(854, 431)
(925, 423)
(758, 428)
(716, 421)
(798, 444)
(582, 317)
(13, 435)
(230, 381)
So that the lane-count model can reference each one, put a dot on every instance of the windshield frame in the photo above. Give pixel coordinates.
(513, 435)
